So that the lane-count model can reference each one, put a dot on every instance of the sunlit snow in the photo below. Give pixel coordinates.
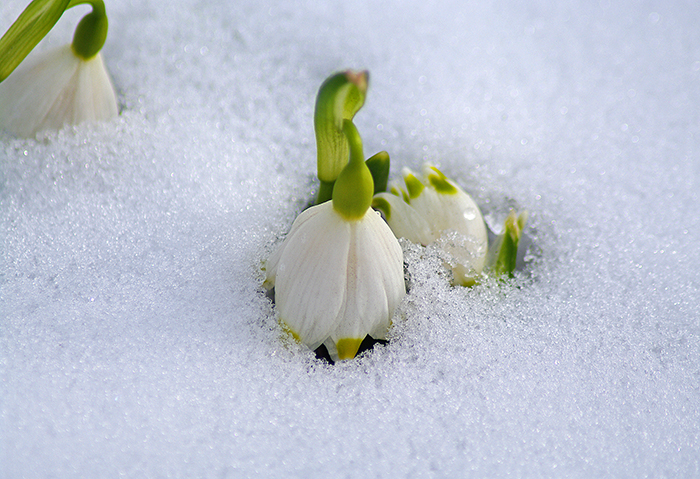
(135, 337)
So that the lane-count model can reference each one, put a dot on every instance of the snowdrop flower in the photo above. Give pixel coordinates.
(58, 89)
(432, 209)
(338, 276)
(64, 86)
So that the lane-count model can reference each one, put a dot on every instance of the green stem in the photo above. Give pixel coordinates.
(98, 6)
(357, 155)
(325, 192)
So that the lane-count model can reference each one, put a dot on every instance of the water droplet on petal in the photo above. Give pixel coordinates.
(469, 214)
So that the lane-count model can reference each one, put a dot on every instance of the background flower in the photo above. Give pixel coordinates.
(63, 86)
(434, 209)
(55, 89)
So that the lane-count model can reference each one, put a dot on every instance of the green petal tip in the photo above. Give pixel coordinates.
(348, 347)
(382, 205)
(414, 186)
(440, 182)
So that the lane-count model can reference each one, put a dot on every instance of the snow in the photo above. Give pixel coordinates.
(136, 341)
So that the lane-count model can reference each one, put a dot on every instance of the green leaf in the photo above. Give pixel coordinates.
(379, 167)
(508, 243)
(325, 192)
(338, 99)
(27, 31)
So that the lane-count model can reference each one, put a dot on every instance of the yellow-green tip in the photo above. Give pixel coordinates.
(348, 347)
(382, 205)
(290, 331)
(440, 182)
(413, 185)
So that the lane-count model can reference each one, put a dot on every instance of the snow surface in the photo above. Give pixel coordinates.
(136, 341)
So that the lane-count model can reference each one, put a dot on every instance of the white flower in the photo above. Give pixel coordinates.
(58, 88)
(337, 280)
(435, 210)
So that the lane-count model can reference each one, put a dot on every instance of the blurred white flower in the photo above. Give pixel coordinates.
(435, 210)
(337, 280)
(57, 88)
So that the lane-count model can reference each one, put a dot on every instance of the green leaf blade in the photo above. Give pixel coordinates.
(339, 98)
(27, 31)
(379, 167)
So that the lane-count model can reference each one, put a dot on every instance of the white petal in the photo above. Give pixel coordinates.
(273, 261)
(455, 213)
(375, 282)
(310, 279)
(95, 98)
(337, 279)
(26, 96)
(390, 263)
(405, 221)
(54, 89)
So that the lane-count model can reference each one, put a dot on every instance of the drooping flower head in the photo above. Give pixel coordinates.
(338, 275)
(434, 209)
(63, 86)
